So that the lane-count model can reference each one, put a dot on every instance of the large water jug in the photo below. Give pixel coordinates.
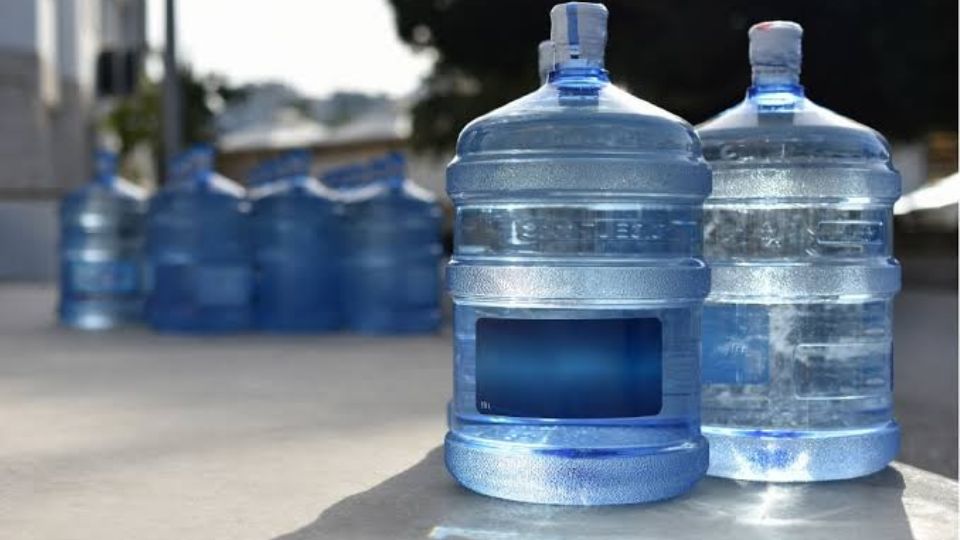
(392, 249)
(199, 250)
(577, 283)
(797, 330)
(296, 248)
(101, 250)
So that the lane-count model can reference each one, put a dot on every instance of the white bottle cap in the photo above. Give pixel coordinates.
(776, 44)
(545, 61)
(578, 31)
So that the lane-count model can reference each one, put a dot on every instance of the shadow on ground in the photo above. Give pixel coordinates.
(424, 502)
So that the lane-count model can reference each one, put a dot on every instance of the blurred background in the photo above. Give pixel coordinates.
(350, 80)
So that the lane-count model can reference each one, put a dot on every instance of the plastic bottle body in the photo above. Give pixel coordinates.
(797, 363)
(577, 283)
(296, 241)
(200, 258)
(391, 272)
(101, 255)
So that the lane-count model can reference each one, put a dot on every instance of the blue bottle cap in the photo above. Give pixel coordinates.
(104, 165)
(579, 31)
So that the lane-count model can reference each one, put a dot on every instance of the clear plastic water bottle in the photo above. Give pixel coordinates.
(577, 283)
(199, 250)
(797, 330)
(392, 253)
(101, 250)
(296, 241)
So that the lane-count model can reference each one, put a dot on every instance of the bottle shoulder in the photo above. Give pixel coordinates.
(796, 130)
(559, 119)
(213, 186)
(116, 197)
(407, 193)
(293, 188)
(117, 188)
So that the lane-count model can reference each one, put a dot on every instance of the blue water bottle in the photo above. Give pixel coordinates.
(577, 283)
(199, 253)
(261, 174)
(337, 178)
(101, 250)
(392, 253)
(797, 356)
(296, 241)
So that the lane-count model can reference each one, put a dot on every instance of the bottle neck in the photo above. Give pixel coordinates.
(104, 168)
(103, 178)
(580, 70)
(393, 181)
(770, 80)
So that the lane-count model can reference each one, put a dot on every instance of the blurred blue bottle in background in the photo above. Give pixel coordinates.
(797, 352)
(348, 179)
(391, 280)
(340, 178)
(296, 241)
(101, 250)
(262, 174)
(199, 252)
(577, 283)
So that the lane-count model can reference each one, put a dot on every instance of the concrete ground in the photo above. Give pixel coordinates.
(130, 435)
(925, 378)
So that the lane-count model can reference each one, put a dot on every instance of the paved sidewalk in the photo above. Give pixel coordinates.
(130, 435)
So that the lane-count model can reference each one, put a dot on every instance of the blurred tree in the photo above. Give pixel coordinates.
(888, 63)
(342, 107)
(135, 119)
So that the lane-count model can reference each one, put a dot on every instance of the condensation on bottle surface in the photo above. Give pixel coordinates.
(577, 283)
(797, 331)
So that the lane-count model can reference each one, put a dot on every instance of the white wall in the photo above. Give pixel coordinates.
(78, 33)
(47, 51)
(18, 24)
(28, 237)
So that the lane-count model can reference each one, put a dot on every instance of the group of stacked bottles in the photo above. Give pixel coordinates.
(618, 277)
(290, 254)
(594, 259)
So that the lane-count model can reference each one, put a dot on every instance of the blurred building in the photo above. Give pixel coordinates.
(345, 128)
(58, 59)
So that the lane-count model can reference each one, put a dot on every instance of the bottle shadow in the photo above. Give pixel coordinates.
(424, 502)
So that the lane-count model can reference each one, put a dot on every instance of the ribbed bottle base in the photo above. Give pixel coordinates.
(793, 456)
(100, 315)
(575, 476)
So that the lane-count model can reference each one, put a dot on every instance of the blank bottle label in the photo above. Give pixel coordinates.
(112, 277)
(736, 344)
(223, 285)
(569, 368)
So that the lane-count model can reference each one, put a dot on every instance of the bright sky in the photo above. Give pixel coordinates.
(317, 46)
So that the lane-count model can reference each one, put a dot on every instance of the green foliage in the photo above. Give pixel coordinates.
(888, 63)
(136, 119)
